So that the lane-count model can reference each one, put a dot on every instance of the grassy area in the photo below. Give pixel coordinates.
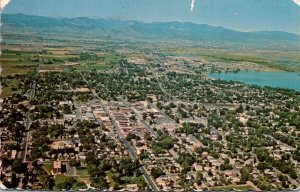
(90, 67)
(6, 92)
(112, 59)
(14, 66)
(275, 62)
(17, 62)
(282, 60)
(48, 168)
(69, 183)
(51, 67)
(140, 181)
(231, 187)
(20, 61)
(8, 69)
(135, 180)
(83, 175)
(9, 87)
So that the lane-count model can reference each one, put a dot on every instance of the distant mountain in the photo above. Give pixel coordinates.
(161, 30)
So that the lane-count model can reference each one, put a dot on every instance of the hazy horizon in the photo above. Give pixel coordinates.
(240, 15)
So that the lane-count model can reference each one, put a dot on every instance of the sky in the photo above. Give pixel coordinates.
(242, 15)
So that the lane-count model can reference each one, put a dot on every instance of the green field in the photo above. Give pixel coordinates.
(48, 168)
(283, 60)
(83, 175)
(19, 61)
(89, 67)
(231, 187)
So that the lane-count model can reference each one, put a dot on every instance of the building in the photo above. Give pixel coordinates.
(132, 187)
(56, 167)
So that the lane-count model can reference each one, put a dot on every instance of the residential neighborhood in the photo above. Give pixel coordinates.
(138, 95)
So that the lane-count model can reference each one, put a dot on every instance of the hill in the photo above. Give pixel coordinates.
(156, 30)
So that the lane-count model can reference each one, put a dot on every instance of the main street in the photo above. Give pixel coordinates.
(149, 129)
(123, 139)
(28, 121)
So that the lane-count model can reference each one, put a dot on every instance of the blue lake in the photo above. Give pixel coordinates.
(287, 80)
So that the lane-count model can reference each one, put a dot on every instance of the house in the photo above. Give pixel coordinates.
(132, 187)
(198, 167)
(161, 182)
(141, 149)
(70, 117)
(82, 89)
(61, 103)
(30, 167)
(13, 154)
(56, 167)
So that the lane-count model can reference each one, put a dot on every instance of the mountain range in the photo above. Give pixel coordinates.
(158, 30)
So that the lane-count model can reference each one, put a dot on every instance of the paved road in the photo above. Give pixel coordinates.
(126, 143)
(78, 111)
(293, 181)
(149, 129)
(28, 121)
(123, 139)
(280, 142)
(165, 92)
(142, 169)
(207, 105)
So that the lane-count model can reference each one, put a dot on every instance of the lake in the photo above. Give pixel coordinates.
(287, 80)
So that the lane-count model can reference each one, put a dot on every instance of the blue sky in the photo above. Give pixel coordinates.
(243, 15)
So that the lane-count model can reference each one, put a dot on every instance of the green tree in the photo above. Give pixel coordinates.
(18, 167)
(156, 172)
(199, 178)
(245, 174)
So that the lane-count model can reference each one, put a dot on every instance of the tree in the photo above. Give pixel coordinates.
(156, 172)
(132, 118)
(99, 183)
(262, 154)
(62, 183)
(263, 185)
(147, 137)
(293, 174)
(199, 178)
(46, 181)
(17, 166)
(73, 162)
(144, 115)
(68, 183)
(245, 174)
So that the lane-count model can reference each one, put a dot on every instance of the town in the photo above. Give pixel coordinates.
(139, 119)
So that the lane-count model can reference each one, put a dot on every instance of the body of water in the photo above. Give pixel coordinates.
(287, 80)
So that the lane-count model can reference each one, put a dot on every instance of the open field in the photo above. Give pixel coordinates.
(89, 67)
(11, 87)
(231, 187)
(48, 168)
(21, 58)
(83, 175)
(278, 60)
(18, 59)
